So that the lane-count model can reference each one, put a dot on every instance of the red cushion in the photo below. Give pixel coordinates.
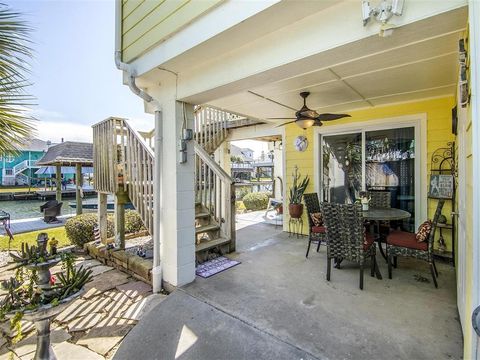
(369, 239)
(406, 239)
(318, 229)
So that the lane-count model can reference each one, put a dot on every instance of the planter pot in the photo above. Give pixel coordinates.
(280, 210)
(295, 210)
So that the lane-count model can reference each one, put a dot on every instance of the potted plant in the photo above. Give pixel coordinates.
(299, 185)
(35, 295)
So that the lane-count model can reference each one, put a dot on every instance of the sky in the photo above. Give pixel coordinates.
(73, 74)
(75, 81)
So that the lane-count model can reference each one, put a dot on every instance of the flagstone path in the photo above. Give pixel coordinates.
(93, 326)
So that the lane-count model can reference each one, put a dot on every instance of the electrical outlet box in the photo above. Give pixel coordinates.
(187, 134)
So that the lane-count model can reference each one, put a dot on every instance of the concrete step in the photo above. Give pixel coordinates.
(206, 228)
(205, 245)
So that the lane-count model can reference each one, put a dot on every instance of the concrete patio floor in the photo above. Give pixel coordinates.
(278, 305)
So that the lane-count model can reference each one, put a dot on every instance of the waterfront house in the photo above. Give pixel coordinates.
(20, 168)
(407, 77)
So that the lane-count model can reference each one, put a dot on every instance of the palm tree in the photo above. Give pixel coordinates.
(15, 123)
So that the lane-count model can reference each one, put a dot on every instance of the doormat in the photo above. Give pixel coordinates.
(212, 267)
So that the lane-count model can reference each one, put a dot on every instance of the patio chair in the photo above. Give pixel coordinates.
(315, 221)
(51, 209)
(346, 237)
(402, 243)
(381, 199)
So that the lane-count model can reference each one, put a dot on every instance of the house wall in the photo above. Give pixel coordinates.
(472, 173)
(147, 23)
(438, 114)
(22, 156)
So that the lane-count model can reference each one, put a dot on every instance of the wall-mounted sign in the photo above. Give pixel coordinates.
(441, 186)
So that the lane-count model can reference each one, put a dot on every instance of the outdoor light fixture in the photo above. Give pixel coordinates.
(304, 122)
(382, 13)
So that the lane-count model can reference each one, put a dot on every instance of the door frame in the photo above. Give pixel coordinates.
(417, 121)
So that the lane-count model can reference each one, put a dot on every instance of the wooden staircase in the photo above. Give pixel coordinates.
(123, 161)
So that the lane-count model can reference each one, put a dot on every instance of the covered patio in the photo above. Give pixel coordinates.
(277, 303)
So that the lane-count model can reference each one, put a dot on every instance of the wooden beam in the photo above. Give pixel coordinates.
(78, 187)
(102, 216)
(58, 174)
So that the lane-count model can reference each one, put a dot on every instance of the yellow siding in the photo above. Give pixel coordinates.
(438, 112)
(148, 22)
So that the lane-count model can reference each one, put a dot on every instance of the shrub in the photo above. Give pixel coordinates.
(133, 222)
(239, 207)
(256, 201)
(79, 229)
(241, 191)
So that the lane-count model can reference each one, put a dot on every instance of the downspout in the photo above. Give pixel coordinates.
(158, 150)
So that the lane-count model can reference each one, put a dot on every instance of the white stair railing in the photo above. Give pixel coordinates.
(215, 190)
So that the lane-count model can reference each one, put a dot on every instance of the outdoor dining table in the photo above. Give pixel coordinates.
(384, 214)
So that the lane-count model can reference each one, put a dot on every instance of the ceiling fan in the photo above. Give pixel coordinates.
(306, 117)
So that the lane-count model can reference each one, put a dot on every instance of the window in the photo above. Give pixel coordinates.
(371, 160)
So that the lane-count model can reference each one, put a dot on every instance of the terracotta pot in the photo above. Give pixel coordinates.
(280, 210)
(295, 210)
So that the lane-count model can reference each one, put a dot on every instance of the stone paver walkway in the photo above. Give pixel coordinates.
(92, 326)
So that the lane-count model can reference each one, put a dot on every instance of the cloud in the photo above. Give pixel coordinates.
(48, 115)
(55, 131)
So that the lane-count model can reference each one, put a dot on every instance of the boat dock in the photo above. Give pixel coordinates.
(33, 224)
(69, 193)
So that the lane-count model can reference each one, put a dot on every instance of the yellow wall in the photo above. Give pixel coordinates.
(146, 23)
(438, 112)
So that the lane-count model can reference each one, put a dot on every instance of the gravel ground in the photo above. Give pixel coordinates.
(140, 245)
(4, 258)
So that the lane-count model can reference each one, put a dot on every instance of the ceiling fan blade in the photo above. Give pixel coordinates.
(312, 114)
(329, 117)
(281, 118)
(289, 122)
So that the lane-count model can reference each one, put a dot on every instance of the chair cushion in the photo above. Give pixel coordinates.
(368, 241)
(423, 231)
(318, 229)
(317, 218)
(406, 240)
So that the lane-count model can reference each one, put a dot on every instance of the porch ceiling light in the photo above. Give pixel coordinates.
(304, 122)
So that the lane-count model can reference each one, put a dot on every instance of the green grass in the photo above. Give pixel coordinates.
(31, 238)
(14, 189)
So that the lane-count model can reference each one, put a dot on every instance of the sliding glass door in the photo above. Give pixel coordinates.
(371, 160)
(342, 168)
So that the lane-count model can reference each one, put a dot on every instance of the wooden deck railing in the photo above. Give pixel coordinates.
(122, 161)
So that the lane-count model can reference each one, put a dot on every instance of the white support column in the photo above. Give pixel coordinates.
(474, 48)
(178, 212)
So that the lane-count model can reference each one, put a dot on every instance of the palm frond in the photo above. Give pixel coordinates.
(16, 126)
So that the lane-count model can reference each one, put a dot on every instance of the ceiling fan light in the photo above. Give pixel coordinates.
(305, 122)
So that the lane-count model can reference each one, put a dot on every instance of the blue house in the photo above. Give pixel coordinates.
(20, 169)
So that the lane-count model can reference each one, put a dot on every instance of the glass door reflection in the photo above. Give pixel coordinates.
(342, 167)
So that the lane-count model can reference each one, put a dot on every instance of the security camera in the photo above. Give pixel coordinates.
(366, 11)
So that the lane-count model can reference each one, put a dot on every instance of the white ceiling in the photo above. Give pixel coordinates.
(416, 70)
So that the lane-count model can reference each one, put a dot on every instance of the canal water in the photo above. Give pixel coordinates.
(25, 209)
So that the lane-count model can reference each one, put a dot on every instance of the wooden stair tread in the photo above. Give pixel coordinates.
(205, 228)
(205, 245)
(202, 214)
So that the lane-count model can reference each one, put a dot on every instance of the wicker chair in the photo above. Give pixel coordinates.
(316, 233)
(402, 243)
(379, 199)
(346, 237)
